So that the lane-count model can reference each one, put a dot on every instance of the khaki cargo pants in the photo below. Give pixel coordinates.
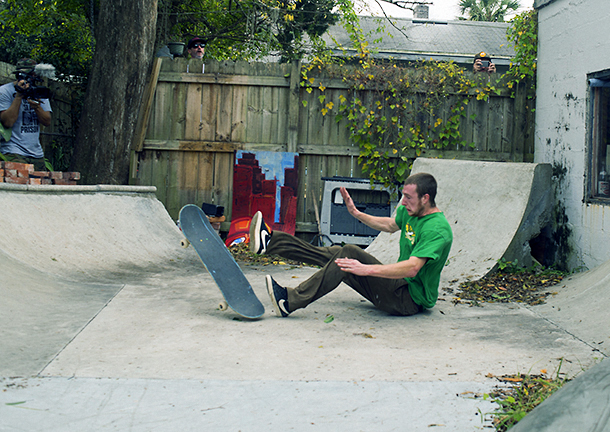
(389, 295)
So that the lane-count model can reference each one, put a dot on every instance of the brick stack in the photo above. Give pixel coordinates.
(19, 173)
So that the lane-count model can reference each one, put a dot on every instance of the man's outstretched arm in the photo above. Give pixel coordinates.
(399, 270)
(386, 224)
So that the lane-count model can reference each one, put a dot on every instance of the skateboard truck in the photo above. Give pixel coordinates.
(215, 215)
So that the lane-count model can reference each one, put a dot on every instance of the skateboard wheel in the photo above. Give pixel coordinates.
(223, 306)
(184, 243)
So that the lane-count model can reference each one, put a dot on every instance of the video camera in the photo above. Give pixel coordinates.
(33, 91)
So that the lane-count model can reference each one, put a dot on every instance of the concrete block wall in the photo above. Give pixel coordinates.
(20, 173)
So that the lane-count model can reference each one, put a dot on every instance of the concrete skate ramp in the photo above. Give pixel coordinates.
(65, 252)
(581, 307)
(93, 233)
(581, 304)
(494, 209)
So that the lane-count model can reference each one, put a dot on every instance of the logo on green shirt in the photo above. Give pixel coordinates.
(409, 234)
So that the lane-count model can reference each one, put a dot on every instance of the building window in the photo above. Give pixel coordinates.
(599, 148)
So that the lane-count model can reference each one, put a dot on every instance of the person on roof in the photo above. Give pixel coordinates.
(483, 63)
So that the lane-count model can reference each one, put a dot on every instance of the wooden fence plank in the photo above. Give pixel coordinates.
(209, 113)
(193, 124)
(495, 125)
(205, 178)
(224, 113)
(178, 112)
(223, 181)
(239, 113)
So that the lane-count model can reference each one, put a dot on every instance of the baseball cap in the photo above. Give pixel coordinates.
(26, 66)
(193, 41)
(483, 56)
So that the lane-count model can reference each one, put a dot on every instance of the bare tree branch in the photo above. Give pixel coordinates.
(390, 19)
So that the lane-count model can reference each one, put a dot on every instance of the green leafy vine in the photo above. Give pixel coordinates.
(394, 113)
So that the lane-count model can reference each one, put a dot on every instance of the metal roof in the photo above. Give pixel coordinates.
(420, 39)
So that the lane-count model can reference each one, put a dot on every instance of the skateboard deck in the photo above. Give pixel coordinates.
(217, 259)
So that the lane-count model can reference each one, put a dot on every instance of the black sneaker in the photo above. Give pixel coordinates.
(279, 297)
(259, 234)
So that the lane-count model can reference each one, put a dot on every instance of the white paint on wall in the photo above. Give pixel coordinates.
(574, 40)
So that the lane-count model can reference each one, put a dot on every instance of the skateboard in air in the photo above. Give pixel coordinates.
(217, 259)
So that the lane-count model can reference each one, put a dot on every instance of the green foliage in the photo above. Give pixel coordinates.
(488, 10)
(250, 29)
(509, 266)
(55, 32)
(527, 392)
(393, 113)
(60, 32)
(523, 36)
(311, 17)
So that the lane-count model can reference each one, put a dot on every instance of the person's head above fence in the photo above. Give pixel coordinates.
(482, 63)
(196, 47)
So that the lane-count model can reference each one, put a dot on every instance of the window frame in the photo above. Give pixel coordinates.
(596, 82)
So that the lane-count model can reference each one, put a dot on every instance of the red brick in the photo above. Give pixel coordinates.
(71, 176)
(35, 181)
(40, 174)
(63, 182)
(16, 180)
(57, 175)
(47, 181)
(19, 166)
(1, 172)
(21, 173)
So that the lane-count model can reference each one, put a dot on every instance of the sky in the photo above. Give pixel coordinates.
(439, 9)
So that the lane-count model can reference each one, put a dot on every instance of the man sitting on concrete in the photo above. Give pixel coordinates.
(406, 287)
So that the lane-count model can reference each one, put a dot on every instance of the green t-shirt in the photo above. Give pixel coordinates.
(424, 237)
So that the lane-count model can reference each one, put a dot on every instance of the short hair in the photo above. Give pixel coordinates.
(424, 184)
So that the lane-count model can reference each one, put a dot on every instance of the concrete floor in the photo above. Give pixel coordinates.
(107, 324)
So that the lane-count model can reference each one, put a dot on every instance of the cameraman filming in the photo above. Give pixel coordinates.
(483, 63)
(22, 111)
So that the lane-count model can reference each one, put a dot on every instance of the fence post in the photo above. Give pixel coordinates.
(146, 107)
(520, 118)
(293, 106)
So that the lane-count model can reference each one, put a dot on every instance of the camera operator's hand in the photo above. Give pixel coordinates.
(34, 103)
(21, 86)
(483, 66)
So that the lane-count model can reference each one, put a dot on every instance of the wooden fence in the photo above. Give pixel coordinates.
(192, 123)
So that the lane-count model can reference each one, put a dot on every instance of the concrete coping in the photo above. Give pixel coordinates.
(77, 189)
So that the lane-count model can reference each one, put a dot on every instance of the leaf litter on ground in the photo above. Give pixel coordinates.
(241, 253)
(505, 286)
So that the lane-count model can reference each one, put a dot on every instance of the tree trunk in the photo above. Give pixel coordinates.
(125, 40)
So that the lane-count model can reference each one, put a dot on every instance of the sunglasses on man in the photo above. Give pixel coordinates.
(198, 45)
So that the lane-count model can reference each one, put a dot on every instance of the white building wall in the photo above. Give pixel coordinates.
(574, 40)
